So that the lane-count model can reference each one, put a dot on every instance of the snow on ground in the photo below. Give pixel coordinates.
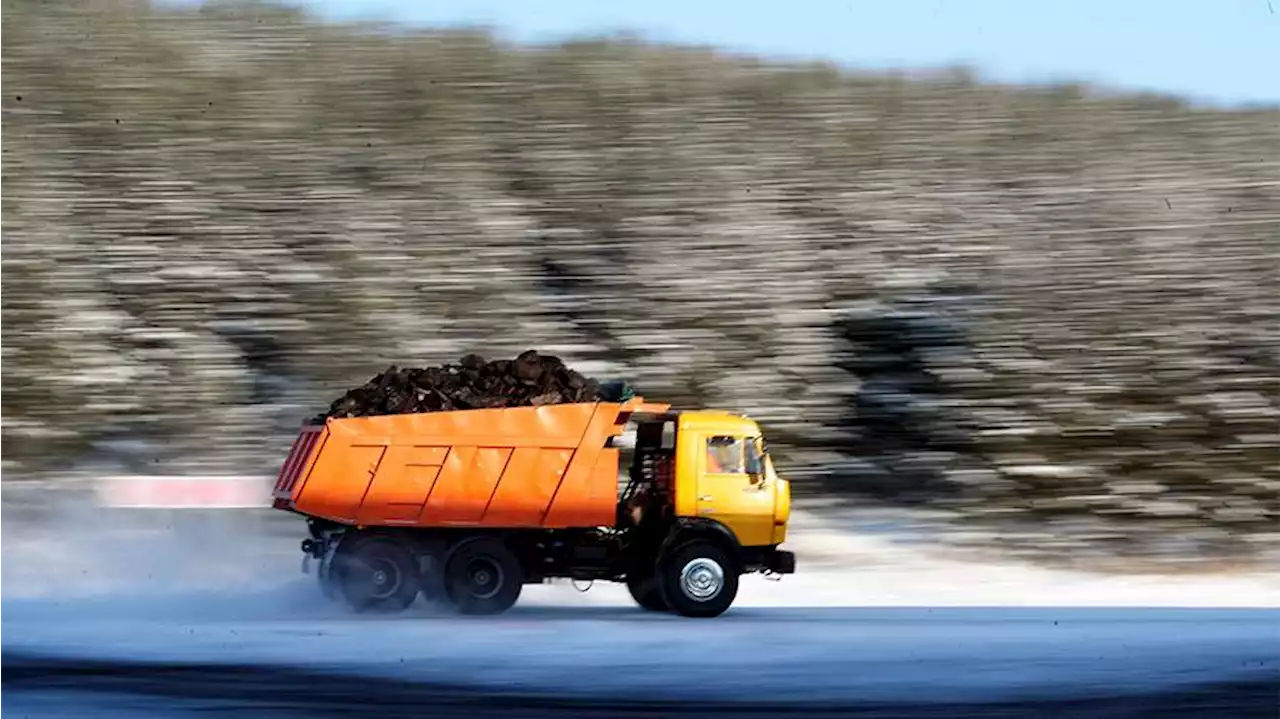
(90, 551)
(847, 569)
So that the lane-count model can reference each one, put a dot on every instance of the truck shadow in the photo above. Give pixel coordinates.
(1055, 616)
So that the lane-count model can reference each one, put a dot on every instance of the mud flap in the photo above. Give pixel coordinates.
(324, 564)
(781, 561)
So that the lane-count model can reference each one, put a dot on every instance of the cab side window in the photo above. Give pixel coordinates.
(726, 455)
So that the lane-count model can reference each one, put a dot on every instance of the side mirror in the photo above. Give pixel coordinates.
(755, 463)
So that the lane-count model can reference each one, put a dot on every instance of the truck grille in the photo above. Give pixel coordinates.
(297, 460)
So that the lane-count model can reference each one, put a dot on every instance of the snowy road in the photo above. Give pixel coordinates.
(82, 689)
(128, 625)
(279, 651)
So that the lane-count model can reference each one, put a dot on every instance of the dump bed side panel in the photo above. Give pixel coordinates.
(527, 486)
(466, 484)
(404, 481)
(588, 492)
(339, 479)
(519, 467)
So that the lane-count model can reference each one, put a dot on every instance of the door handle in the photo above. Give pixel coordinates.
(705, 498)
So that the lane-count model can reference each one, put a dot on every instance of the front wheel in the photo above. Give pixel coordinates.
(699, 579)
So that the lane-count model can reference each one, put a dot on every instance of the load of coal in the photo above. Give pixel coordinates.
(531, 379)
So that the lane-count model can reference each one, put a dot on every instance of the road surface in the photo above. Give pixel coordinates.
(283, 653)
(105, 617)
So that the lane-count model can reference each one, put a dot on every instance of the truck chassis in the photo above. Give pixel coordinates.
(689, 566)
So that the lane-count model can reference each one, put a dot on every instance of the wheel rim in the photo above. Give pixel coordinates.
(379, 578)
(702, 579)
(484, 578)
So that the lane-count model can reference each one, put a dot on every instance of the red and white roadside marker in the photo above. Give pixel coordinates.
(184, 492)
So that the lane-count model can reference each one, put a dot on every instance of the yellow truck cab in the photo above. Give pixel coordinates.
(706, 502)
(724, 474)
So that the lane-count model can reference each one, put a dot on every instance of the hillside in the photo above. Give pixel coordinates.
(216, 221)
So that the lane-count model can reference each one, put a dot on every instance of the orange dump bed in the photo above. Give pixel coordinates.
(520, 467)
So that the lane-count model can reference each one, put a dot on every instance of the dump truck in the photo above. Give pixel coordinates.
(466, 507)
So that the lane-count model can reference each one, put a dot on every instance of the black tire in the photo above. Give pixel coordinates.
(375, 574)
(483, 576)
(647, 591)
(699, 579)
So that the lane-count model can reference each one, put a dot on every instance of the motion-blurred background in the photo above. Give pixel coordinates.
(1046, 311)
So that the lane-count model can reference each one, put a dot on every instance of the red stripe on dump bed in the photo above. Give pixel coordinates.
(298, 455)
(295, 458)
(298, 458)
(284, 469)
(307, 448)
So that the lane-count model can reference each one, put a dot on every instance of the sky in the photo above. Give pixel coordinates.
(1214, 51)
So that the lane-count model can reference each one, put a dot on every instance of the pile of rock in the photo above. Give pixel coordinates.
(529, 380)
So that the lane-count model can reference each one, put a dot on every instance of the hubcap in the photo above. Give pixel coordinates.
(383, 579)
(486, 578)
(701, 579)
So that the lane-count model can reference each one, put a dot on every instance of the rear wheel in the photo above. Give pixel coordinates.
(699, 579)
(375, 574)
(483, 576)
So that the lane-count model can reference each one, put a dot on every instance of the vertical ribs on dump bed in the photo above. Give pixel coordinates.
(303, 447)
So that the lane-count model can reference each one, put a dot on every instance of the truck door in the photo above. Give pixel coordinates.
(734, 490)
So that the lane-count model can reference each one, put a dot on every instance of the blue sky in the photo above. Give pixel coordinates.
(1221, 51)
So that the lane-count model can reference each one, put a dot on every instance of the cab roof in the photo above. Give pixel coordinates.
(711, 420)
